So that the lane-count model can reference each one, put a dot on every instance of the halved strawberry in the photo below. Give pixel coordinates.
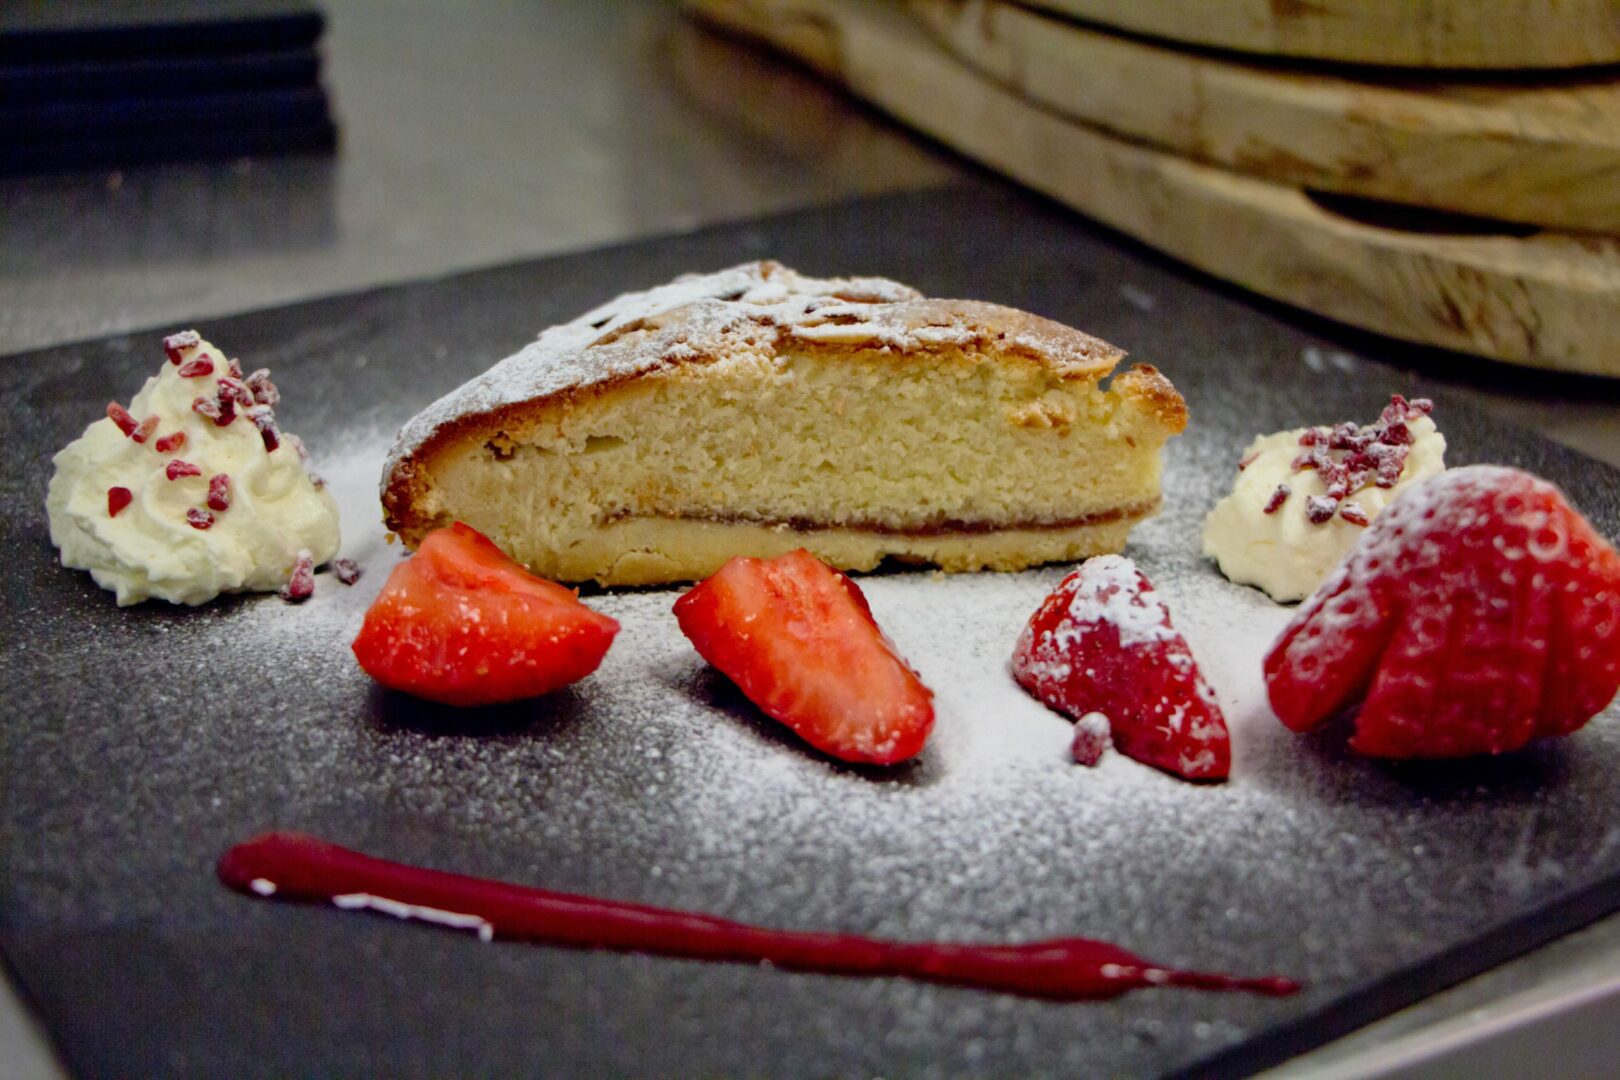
(1102, 642)
(798, 638)
(460, 623)
(1478, 612)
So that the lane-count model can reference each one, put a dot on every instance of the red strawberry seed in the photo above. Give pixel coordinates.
(178, 468)
(168, 444)
(117, 499)
(198, 518)
(196, 369)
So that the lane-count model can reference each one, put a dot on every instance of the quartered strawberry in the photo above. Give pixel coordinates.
(1102, 642)
(798, 638)
(1478, 612)
(460, 623)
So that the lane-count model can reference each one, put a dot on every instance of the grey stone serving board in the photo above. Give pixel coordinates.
(138, 744)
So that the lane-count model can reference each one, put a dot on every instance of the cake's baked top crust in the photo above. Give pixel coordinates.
(746, 309)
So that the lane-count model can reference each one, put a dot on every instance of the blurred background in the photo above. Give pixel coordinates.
(468, 134)
(1442, 193)
(406, 138)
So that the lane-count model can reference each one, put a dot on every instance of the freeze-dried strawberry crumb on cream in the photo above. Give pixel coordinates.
(191, 491)
(1302, 498)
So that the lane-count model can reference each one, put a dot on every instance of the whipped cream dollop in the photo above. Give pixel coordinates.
(1302, 498)
(193, 490)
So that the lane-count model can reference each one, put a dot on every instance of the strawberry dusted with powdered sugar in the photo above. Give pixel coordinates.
(1102, 642)
(460, 623)
(798, 638)
(1478, 612)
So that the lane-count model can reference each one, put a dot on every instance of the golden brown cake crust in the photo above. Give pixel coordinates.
(1146, 385)
(746, 314)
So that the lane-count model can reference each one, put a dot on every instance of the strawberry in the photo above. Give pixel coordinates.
(1102, 642)
(799, 640)
(1478, 612)
(460, 623)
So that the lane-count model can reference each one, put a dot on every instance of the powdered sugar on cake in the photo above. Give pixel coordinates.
(743, 310)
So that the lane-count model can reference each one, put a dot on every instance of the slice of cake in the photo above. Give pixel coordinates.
(754, 410)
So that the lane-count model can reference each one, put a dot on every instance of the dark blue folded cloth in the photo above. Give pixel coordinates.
(152, 29)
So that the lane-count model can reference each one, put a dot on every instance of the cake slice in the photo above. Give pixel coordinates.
(756, 410)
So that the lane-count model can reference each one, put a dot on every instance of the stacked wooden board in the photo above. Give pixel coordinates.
(1463, 34)
(103, 83)
(1477, 211)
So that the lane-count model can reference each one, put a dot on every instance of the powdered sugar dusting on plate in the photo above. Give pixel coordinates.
(331, 616)
(702, 793)
(994, 748)
(957, 630)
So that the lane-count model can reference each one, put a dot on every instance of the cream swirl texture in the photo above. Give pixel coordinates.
(192, 491)
(1263, 534)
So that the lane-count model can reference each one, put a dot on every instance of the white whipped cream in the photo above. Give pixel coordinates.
(1283, 552)
(150, 548)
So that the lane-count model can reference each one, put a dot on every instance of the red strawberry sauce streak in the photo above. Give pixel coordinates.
(294, 866)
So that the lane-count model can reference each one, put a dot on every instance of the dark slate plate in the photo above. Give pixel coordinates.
(138, 744)
(151, 116)
(77, 80)
(316, 134)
